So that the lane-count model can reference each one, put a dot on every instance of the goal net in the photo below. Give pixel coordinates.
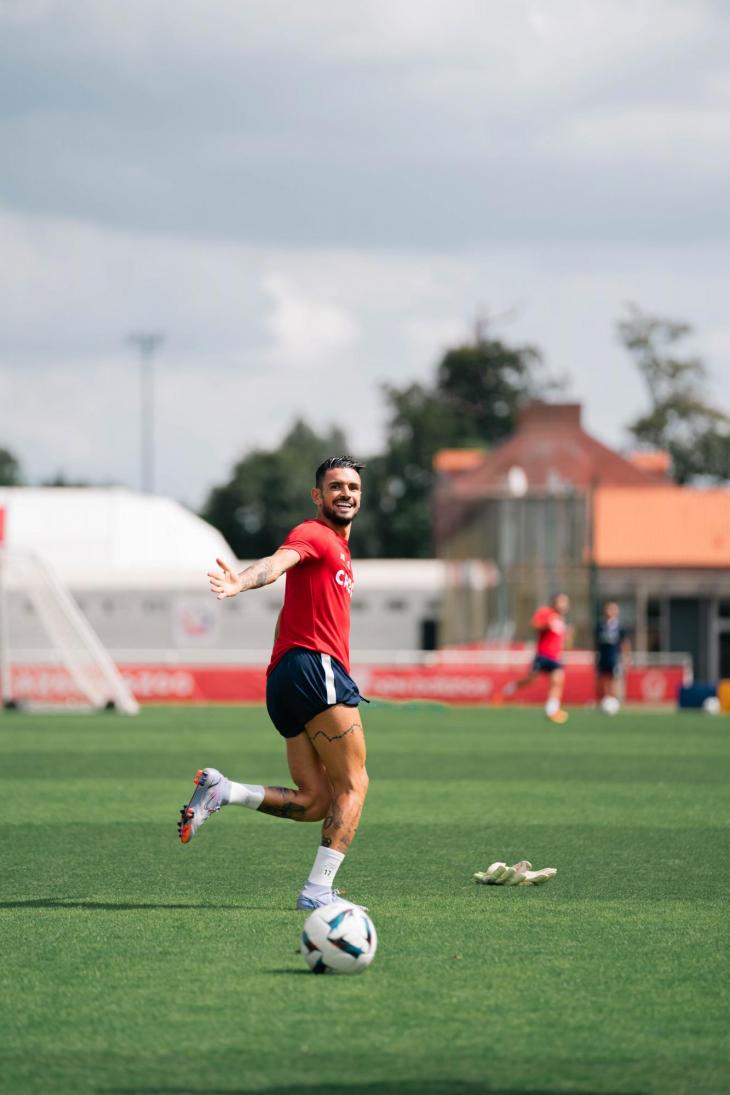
(50, 656)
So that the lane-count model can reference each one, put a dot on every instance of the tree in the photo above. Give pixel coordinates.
(268, 491)
(474, 402)
(680, 418)
(10, 472)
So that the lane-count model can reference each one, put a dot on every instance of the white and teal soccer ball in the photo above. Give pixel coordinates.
(610, 705)
(338, 938)
(711, 706)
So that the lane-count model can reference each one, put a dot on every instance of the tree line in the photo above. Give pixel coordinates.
(472, 401)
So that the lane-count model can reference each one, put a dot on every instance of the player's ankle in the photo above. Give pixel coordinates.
(327, 863)
(552, 707)
(250, 795)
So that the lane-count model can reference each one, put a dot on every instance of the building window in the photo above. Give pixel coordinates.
(396, 606)
(653, 625)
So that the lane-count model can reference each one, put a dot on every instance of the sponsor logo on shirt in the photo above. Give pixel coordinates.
(343, 579)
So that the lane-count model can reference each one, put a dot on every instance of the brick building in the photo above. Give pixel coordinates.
(553, 508)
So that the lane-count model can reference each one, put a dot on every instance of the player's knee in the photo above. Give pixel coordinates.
(354, 783)
(319, 807)
(360, 783)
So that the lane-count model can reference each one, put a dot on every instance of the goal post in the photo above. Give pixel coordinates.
(50, 655)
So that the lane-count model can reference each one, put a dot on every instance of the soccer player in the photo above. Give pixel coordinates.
(549, 623)
(310, 696)
(612, 650)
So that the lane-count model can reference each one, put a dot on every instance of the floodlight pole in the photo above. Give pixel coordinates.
(147, 344)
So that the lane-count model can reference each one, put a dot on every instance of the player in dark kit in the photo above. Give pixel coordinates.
(310, 696)
(612, 650)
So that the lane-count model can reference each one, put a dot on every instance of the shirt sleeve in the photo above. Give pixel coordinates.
(305, 540)
(542, 619)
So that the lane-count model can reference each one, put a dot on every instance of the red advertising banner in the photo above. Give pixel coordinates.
(480, 684)
(457, 684)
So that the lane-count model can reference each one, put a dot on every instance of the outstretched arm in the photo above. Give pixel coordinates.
(227, 582)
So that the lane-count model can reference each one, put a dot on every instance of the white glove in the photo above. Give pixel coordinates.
(521, 874)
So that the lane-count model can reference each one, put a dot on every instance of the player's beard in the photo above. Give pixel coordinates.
(337, 518)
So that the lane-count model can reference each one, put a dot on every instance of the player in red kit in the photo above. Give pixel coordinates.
(310, 696)
(549, 623)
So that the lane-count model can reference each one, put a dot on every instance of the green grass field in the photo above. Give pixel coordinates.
(132, 964)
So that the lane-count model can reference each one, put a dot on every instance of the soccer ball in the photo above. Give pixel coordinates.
(711, 706)
(610, 705)
(338, 938)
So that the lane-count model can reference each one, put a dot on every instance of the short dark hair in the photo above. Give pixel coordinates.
(335, 462)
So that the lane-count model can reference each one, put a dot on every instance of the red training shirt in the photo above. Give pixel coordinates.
(316, 612)
(551, 627)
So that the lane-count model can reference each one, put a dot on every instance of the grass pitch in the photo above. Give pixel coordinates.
(134, 965)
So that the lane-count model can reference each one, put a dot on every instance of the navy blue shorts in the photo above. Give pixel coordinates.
(302, 685)
(608, 667)
(541, 664)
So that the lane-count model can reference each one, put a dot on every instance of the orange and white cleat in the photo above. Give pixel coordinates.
(559, 717)
(210, 793)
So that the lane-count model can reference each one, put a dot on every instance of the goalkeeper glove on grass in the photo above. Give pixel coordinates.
(520, 874)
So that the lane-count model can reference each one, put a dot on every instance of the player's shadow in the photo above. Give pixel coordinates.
(118, 906)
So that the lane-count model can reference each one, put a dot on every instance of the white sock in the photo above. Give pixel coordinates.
(326, 865)
(245, 794)
(552, 707)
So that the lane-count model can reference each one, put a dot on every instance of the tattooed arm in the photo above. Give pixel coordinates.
(227, 583)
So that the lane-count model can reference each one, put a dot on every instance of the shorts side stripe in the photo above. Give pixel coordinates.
(329, 678)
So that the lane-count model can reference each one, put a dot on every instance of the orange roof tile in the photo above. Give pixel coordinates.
(661, 526)
(454, 460)
(655, 461)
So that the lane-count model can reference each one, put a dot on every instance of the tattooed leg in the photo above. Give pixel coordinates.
(286, 802)
(337, 735)
(310, 798)
(340, 825)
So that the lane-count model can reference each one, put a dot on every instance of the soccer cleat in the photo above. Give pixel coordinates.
(559, 717)
(207, 798)
(521, 874)
(314, 899)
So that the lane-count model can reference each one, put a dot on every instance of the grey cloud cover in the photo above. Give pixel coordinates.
(292, 189)
(407, 124)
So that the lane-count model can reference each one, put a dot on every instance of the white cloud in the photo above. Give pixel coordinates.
(257, 337)
(306, 331)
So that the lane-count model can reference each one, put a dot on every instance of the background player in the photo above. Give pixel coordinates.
(612, 651)
(549, 623)
(310, 696)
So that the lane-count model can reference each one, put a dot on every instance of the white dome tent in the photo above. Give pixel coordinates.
(56, 538)
(112, 531)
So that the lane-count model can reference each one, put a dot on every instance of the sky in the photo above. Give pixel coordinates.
(310, 200)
